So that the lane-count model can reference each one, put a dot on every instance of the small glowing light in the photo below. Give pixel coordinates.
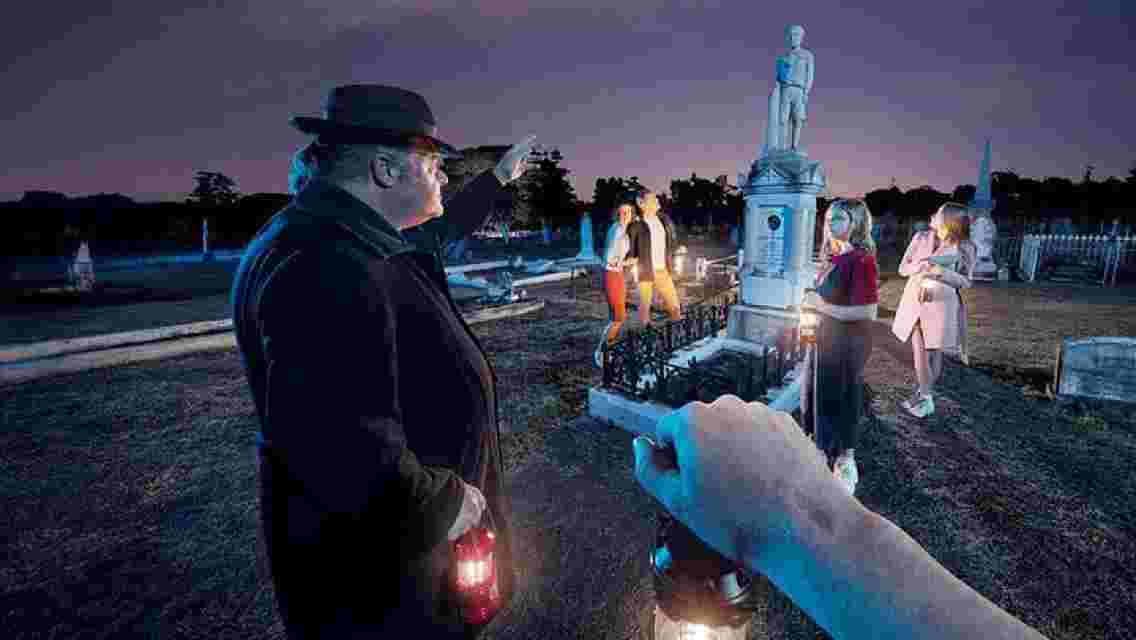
(810, 319)
(474, 572)
(691, 631)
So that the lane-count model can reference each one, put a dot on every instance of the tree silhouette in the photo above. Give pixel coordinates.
(548, 192)
(214, 190)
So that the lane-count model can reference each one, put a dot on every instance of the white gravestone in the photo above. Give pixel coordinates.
(587, 250)
(1102, 368)
(83, 269)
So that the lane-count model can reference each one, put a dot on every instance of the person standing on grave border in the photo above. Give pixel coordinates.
(652, 240)
(931, 312)
(616, 247)
(349, 336)
(846, 297)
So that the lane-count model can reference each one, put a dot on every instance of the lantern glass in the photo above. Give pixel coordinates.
(668, 629)
(472, 573)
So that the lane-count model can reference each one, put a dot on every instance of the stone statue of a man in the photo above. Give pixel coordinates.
(790, 95)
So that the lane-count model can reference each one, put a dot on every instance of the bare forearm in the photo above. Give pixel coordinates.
(861, 576)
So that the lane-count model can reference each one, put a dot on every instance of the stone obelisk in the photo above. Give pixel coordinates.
(982, 227)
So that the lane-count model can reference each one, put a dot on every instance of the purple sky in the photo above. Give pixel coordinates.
(133, 97)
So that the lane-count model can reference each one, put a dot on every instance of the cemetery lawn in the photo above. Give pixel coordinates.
(130, 506)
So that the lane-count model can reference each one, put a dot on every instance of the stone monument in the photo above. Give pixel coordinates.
(587, 240)
(82, 272)
(982, 227)
(206, 254)
(780, 208)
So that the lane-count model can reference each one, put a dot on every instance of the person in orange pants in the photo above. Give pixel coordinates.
(616, 248)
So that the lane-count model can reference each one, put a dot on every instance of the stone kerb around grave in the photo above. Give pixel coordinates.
(1102, 368)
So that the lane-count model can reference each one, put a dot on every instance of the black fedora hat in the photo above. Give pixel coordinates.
(377, 114)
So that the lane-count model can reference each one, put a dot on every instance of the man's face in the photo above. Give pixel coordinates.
(650, 204)
(419, 186)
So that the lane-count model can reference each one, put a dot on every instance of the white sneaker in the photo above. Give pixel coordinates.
(845, 471)
(920, 407)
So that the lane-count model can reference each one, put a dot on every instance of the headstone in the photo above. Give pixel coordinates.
(82, 271)
(206, 252)
(587, 250)
(1102, 368)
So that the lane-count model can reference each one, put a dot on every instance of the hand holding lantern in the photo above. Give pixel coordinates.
(475, 575)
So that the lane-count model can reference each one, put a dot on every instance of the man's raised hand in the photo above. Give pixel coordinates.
(514, 163)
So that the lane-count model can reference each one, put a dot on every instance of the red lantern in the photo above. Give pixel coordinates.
(475, 575)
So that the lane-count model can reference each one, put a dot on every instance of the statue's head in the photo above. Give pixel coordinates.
(794, 35)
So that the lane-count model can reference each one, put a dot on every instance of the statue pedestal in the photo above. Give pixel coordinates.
(780, 222)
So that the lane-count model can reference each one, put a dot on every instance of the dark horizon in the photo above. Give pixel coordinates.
(133, 102)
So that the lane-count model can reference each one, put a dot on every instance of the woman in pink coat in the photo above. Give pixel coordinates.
(938, 263)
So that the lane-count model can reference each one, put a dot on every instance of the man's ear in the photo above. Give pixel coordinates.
(384, 171)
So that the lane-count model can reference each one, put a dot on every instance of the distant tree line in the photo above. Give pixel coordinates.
(46, 223)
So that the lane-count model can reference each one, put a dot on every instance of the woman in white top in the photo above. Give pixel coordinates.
(615, 259)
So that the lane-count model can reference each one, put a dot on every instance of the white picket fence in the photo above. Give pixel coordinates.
(1108, 252)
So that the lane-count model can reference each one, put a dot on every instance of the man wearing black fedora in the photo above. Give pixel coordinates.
(379, 444)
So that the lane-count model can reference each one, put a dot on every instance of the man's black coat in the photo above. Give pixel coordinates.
(639, 235)
(374, 398)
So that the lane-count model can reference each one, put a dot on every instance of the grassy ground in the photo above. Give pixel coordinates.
(130, 507)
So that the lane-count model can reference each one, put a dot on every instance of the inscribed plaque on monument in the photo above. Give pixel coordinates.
(1098, 368)
(771, 257)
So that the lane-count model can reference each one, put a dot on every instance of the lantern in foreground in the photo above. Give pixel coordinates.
(699, 594)
(475, 575)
